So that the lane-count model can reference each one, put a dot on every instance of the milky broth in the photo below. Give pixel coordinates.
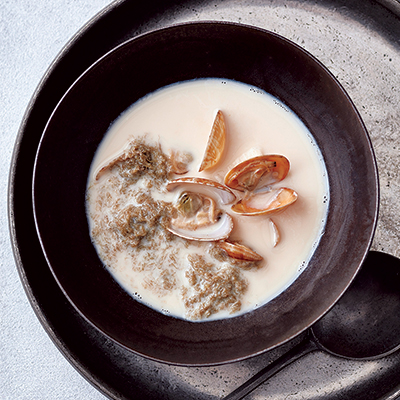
(180, 117)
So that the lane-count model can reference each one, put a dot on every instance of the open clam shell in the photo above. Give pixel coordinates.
(263, 203)
(204, 186)
(220, 230)
(257, 172)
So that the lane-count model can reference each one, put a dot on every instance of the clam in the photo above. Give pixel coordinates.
(269, 202)
(239, 251)
(195, 211)
(216, 143)
(257, 172)
(198, 218)
(204, 186)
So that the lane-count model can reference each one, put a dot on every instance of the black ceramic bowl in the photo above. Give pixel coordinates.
(170, 55)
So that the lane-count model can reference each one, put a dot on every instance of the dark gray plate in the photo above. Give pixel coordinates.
(116, 372)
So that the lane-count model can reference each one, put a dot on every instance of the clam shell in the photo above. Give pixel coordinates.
(218, 231)
(203, 186)
(270, 202)
(216, 143)
(257, 172)
(239, 251)
(122, 156)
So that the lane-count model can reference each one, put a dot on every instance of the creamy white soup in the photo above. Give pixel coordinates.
(161, 241)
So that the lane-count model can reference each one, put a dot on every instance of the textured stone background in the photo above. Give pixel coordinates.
(32, 33)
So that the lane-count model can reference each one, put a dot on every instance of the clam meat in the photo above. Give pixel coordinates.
(197, 217)
(179, 162)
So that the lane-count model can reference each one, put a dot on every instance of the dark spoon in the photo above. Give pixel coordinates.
(363, 325)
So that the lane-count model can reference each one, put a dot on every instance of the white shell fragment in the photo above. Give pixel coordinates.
(275, 234)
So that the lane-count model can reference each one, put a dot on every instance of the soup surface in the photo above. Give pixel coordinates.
(130, 206)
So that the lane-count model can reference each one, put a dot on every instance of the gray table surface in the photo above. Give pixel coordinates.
(32, 32)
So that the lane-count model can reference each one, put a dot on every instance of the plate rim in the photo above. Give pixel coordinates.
(11, 195)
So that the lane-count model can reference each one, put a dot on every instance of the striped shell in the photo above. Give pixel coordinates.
(216, 143)
(239, 251)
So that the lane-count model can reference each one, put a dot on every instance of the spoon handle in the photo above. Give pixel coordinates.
(306, 346)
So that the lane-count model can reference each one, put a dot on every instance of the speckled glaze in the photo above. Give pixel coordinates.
(174, 54)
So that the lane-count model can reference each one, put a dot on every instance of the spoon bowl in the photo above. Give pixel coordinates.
(363, 325)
